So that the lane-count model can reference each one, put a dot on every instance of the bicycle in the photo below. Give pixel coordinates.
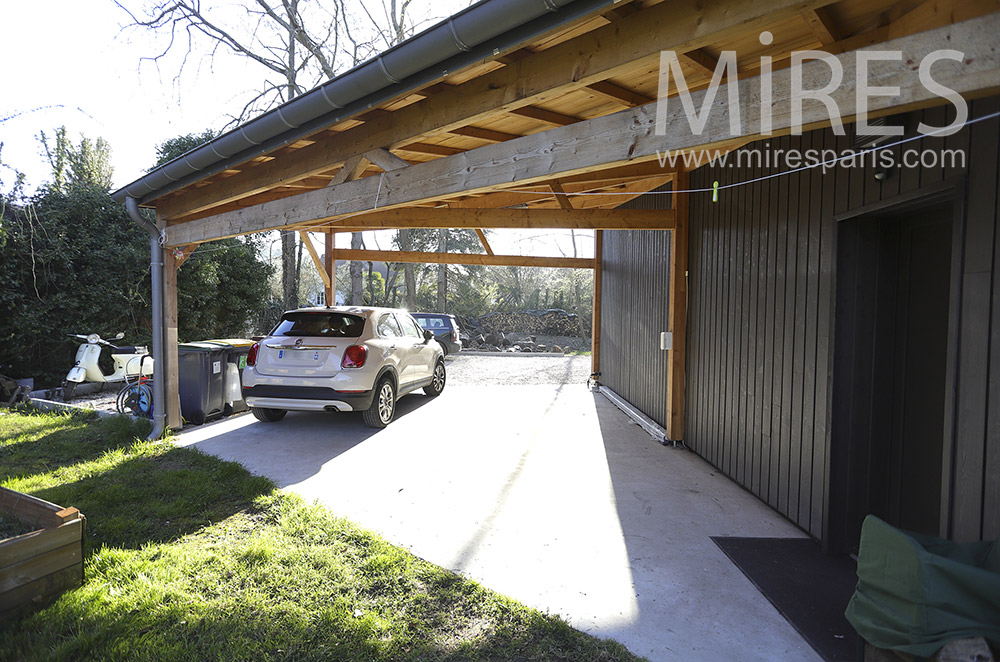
(136, 398)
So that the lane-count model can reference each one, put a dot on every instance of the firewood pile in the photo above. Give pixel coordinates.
(553, 322)
(525, 331)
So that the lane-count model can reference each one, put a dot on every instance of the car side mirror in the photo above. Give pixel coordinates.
(428, 334)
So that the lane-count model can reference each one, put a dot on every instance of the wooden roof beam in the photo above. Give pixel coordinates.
(413, 257)
(552, 72)
(585, 146)
(523, 219)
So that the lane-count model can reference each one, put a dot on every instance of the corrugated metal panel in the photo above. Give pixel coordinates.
(760, 313)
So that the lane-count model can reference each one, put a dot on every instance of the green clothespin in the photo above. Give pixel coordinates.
(715, 192)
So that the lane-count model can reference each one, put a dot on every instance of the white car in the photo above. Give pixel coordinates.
(341, 358)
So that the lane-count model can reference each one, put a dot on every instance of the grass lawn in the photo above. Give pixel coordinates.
(192, 558)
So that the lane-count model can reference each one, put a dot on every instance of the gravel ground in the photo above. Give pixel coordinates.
(466, 369)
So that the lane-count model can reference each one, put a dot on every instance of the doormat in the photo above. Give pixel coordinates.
(809, 588)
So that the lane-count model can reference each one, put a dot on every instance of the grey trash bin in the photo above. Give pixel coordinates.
(202, 380)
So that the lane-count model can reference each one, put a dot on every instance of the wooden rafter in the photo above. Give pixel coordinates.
(554, 71)
(622, 95)
(484, 134)
(822, 25)
(547, 116)
(585, 146)
(703, 61)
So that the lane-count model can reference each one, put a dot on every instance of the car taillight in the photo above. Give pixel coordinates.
(252, 356)
(354, 357)
(454, 336)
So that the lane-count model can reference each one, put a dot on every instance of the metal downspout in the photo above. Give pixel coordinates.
(156, 270)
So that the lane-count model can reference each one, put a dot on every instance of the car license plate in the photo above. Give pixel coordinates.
(281, 355)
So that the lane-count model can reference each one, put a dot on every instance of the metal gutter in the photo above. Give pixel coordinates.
(473, 35)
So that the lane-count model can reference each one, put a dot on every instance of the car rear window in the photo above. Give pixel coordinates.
(433, 323)
(320, 325)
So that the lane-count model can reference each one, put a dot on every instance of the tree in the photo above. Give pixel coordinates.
(295, 43)
(85, 164)
(170, 149)
(229, 268)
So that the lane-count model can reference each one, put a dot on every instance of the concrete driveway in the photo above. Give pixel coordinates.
(547, 494)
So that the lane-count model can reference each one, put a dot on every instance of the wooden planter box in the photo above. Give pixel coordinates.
(37, 567)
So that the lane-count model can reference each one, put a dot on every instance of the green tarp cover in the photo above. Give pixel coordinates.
(916, 593)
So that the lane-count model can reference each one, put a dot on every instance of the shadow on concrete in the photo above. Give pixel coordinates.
(692, 602)
(294, 448)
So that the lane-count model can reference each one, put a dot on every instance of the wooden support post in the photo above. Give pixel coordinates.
(595, 327)
(677, 310)
(331, 270)
(171, 375)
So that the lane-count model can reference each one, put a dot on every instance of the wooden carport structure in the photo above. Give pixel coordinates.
(550, 124)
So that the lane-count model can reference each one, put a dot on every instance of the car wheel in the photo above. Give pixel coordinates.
(383, 406)
(268, 415)
(444, 348)
(437, 380)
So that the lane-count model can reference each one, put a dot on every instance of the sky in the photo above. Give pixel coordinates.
(70, 63)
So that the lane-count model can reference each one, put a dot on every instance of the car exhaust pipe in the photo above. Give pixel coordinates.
(330, 408)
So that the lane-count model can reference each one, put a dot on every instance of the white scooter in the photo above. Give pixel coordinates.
(128, 363)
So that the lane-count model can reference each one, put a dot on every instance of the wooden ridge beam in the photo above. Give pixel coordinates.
(478, 219)
(683, 25)
(415, 257)
(627, 136)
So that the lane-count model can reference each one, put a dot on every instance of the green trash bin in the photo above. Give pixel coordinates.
(201, 376)
(916, 593)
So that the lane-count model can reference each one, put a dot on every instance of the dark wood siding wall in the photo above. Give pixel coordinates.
(760, 319)
(634, 291)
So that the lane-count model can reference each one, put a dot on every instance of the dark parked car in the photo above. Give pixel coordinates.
(444, 327)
